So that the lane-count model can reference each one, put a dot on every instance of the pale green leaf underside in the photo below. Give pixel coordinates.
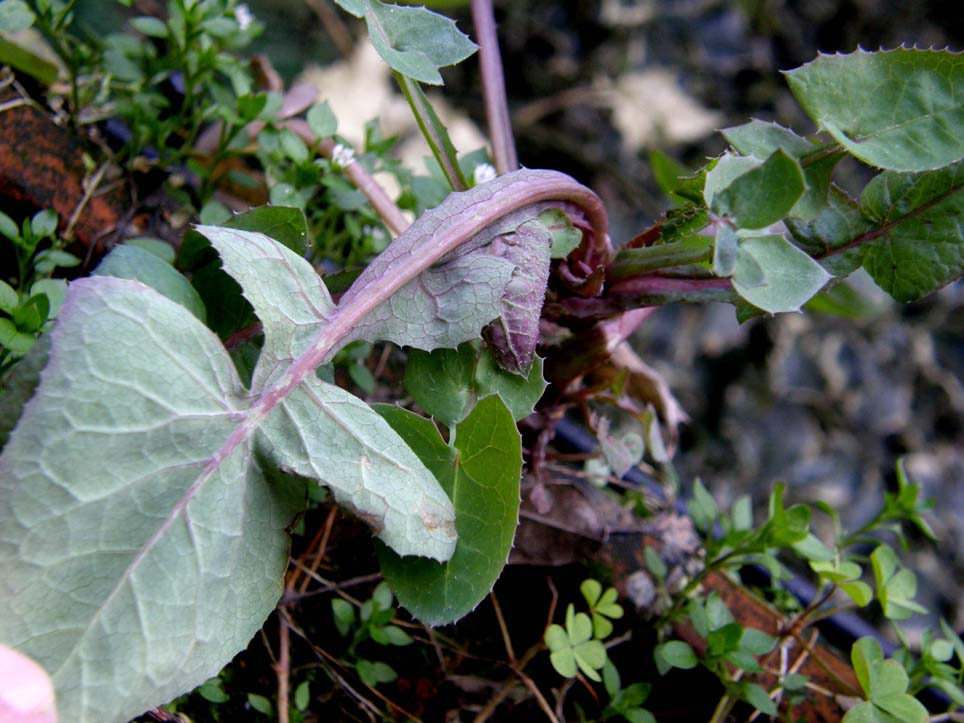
(622, 448)
(451, 301)
(789, 276)
(481, 475)
(287, 295)
(129, 573)
(131, 262)
(19, 384)
(355, 7)
(445, 306)
(142, 546)
(727, 169)
(320, 431)
(901, 109)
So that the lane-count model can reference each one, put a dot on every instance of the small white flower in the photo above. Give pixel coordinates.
(482, 173)
(374, 231)
(243, 16)
(342, 156)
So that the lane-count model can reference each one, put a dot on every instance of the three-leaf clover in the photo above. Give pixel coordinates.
(602, 607)
(573, 647)
(896, 585)
(884, 683)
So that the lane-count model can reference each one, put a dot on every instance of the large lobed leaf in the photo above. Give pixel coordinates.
(134, 564)
(901, 110)
(141, 545)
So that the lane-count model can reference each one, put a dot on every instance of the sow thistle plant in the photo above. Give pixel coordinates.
(150, 451)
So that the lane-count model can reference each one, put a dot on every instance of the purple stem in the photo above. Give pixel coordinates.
(643, 291)
(493, 88)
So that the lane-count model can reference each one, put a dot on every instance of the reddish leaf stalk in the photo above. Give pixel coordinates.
(642, 291)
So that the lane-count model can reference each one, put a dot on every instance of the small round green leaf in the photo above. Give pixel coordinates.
(9, 298)
(303, 695)
(15, 15)
(791, 277)
(756, 696)
(260, 704)
(678, 654)
(150, 26)
(322, 120)
(591, 590)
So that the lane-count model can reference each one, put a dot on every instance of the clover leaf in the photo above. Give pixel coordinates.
(896, 585)
(573, 647)
(884, 683)
(602, 607)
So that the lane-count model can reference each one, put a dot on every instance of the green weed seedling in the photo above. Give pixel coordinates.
(625, 702)
(729, 646)
(373, 621)
(30, 301)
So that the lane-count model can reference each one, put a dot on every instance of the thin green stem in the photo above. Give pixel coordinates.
(723, 708)
(637, 261)
(433, 131)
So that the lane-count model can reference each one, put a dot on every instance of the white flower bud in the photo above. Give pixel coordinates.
(342, 156)
(482, 173)
(243, 16)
